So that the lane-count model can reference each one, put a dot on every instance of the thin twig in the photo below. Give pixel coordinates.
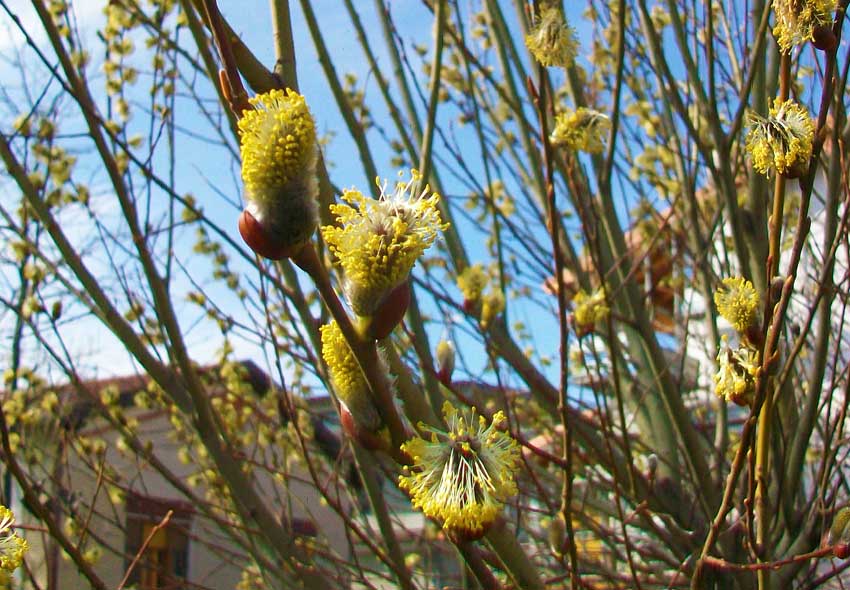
(156, 528)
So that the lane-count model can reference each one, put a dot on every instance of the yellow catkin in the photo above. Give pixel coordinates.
(736, 373)
(472, 281)
(589, 309)
(581, 130)
(783, 140)
(12, 547)
(462, 477)
(796, 20)
(492, 305)
(552, 41)
(347, 378)
(737, 301)
(377, 241)
(278, 146)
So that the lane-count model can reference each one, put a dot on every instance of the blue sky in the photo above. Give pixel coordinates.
(204, 171)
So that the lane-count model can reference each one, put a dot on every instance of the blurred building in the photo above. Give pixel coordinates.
(141, 529)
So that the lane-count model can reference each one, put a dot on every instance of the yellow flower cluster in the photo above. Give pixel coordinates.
(472, 281)
(12, 547)
(589, 309)
(278, 146)
(736, 373)
(552, 41)
(783, 140)
(347, 378)
(461, 477)
(737, 301)
(378, 242)
(492, 305)
(277, 140)
(581, 130)
(796, 20)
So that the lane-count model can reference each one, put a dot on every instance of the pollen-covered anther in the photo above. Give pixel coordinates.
(589, 310)
(278, 146)
(737, 370)
(581, 130)
(798, 21)
(492, 306)
(782, 140)
(472, 281)
(461, 477)
(737, 302)
(377, 242)
(348, 381)
(552, 41)
(12, 547)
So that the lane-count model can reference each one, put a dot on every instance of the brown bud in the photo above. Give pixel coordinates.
(389, 313)
(824, 39)
(841, 550)
(464, 535)
(797, 170)
(753, 335)
(777, 285)
(239, 101)
(347, 421)
(744, 400)
(445, 361)
(224, 84)
(651, 468)
(260, 240)
(372, 441)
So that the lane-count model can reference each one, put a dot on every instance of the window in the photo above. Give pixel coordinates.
(164, 563)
